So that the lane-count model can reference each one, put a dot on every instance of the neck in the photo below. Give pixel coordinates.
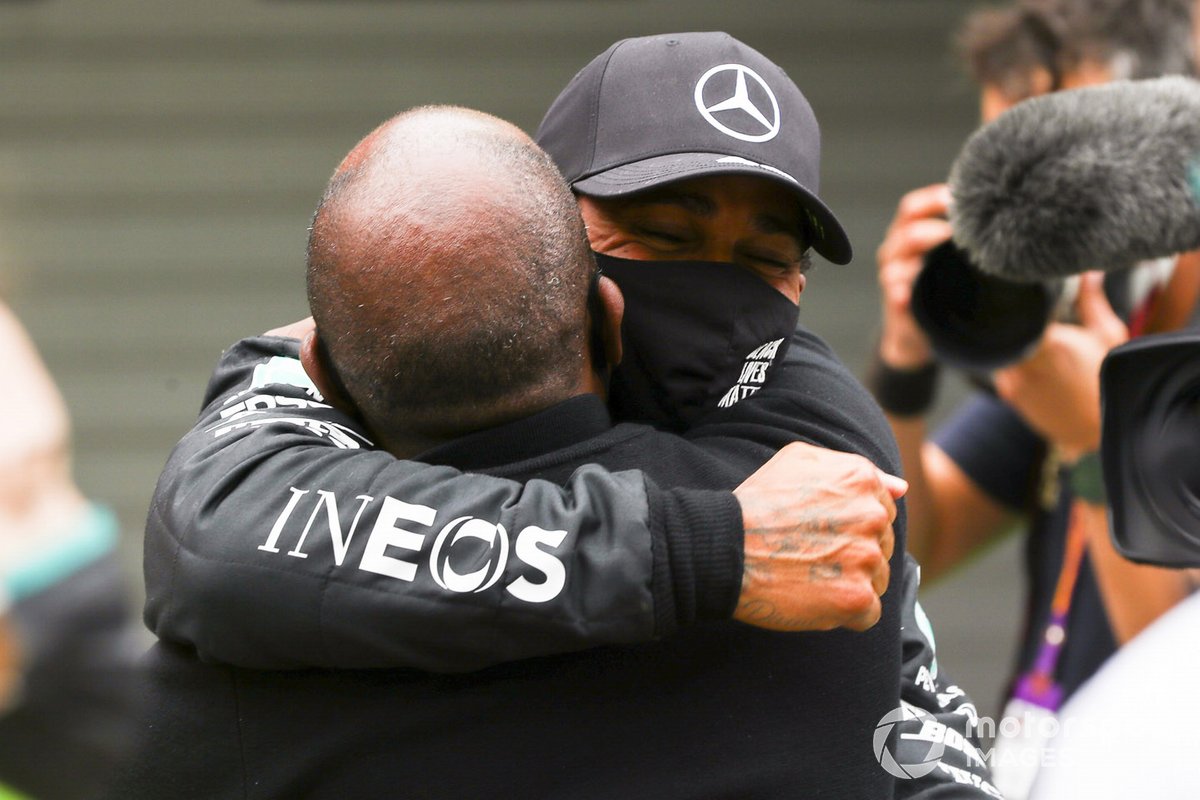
(427, 429)
(592, 382)
(409, 445)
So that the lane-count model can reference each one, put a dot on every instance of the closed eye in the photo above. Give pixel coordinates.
(669, 237)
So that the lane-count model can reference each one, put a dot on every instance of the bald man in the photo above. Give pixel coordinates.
(447, 291)
(458, 317)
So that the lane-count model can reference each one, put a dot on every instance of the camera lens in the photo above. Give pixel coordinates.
(1166, 454)
(1151, 436)
(975, 321)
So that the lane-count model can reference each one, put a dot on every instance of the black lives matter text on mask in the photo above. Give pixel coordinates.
(687, 330)
(754, 373)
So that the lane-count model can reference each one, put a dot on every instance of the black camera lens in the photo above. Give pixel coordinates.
(1151, 448)
(1167, 457)
(975, 321)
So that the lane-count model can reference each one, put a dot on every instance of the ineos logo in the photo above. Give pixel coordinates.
(492, 534)
(396, 546)
(739, 115)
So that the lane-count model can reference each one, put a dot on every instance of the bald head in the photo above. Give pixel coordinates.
(448, 272)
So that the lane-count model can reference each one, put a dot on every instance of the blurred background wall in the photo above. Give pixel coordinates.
(159, 163)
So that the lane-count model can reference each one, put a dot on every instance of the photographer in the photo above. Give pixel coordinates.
(1026, 453)
(1127, 732)
(1026, 450)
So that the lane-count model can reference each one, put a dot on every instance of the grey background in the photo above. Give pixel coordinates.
(159, 162)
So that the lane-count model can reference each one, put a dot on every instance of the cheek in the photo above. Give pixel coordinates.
(790, 286)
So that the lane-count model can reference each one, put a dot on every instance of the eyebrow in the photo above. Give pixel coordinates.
(770, 223)
(699, 204)
(703, 205)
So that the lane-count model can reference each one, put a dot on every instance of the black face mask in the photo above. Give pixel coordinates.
(697, 336)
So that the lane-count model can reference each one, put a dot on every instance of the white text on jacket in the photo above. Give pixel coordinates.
(394, 549)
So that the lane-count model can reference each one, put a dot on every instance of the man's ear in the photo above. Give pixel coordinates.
(315, 360)
(612, 309)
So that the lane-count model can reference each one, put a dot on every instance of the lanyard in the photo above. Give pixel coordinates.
(1038, 686)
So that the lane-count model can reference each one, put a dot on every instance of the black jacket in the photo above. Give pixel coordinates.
(274, 542)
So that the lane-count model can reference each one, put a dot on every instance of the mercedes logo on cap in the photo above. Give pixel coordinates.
(739, 115)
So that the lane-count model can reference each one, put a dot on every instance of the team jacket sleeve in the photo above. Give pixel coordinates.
(278, 537)
(807, 396)
(937, 742)
(810, 396)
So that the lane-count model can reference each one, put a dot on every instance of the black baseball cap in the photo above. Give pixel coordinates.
(657, 109)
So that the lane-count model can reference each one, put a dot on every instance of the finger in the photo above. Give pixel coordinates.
(868, 618)
(1006, 382)
(896, 486)
(295, 330)
(928, 201)
(881, 578)
(1096, 313)
(885, 497)
(887, 543)
(914, 238)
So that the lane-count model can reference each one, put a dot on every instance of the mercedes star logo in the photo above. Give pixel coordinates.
(740, 110)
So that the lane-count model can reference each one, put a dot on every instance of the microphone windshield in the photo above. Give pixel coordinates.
(1091, 178)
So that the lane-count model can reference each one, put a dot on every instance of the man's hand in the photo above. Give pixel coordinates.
(1057, 389)
(919, 226)
(296, 330)
(818, 539)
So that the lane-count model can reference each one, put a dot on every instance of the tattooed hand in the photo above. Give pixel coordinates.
(818, 539)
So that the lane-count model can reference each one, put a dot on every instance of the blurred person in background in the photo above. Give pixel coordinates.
(1130, 730)
(1027, 453)
(68, 642)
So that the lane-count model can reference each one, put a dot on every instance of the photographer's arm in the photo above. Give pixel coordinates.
(1134, 594)
(1057, 391)
(949, 516)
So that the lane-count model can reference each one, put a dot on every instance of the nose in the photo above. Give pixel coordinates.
(714, 248)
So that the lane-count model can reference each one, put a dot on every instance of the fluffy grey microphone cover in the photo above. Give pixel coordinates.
(1092, 178)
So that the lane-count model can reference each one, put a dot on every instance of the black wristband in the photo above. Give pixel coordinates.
(903, 392)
